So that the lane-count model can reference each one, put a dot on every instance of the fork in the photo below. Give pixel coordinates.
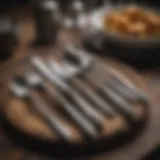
(120, 95)
(21, 89)
(109, 92)
(97, 117)
(86, 126)
(98, 101)
(125, 87)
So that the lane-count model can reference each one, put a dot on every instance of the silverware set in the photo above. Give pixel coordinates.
(64, 82)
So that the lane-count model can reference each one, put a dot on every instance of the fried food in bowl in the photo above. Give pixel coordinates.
(133, 22)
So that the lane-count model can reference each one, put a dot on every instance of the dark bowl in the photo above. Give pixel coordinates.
(129, 49)
(96, 25)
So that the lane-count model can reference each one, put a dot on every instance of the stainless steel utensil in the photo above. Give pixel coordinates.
(131, 95)
(117, 88)
(22, 90)
(120, 103)
(116, 80)
(92, 113)
(72, 64)
(64, 74)
(86, 126)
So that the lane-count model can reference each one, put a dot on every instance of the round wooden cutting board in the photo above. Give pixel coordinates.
(31, 128)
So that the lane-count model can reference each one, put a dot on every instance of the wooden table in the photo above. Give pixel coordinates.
(135, 150)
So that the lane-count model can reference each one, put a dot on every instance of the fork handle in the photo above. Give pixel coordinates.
(49, 116)
(97, 117)
(120, 103)
(91, 94)
(87, 126)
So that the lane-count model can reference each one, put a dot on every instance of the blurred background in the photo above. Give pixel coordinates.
(11, 3)
(45, 24)
(18, 2)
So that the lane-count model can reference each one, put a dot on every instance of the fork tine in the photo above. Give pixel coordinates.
(127, 84)
(126, 108)
(91, 94)
(115, 99)
(126, 93)
(86, 125)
